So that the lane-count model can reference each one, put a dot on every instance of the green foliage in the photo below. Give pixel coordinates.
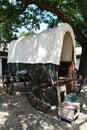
(72, 10)
(24, 34)
(9, 21)
(77, 44)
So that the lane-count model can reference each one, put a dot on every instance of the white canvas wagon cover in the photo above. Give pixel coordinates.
(50, 46)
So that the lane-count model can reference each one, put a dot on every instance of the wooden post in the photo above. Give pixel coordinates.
(58, 94)
(58, 87)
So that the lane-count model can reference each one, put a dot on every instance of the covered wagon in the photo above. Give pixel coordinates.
(44, 62)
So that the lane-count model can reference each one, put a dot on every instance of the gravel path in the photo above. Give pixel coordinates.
(17, 114)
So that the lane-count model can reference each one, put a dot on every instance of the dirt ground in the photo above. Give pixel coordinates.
(17, 114)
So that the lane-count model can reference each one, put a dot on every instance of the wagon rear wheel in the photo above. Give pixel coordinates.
(8, 82)
(42, 92)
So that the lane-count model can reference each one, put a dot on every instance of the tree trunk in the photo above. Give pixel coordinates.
(83, 63)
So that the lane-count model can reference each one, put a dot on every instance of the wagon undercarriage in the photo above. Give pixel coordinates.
(40, 88)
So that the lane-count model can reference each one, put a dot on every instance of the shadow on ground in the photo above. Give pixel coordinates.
(17, 114)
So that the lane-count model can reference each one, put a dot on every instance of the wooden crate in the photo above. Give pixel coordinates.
(69, 111)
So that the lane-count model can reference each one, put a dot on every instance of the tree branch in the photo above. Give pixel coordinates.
(44, 6)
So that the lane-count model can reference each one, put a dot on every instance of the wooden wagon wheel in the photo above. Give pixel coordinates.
(42, 93)
(8, 82)
(78, 82)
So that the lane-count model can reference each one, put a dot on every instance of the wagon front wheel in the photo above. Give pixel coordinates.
(42, 93)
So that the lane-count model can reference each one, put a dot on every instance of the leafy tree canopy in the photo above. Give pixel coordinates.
(30, 13)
